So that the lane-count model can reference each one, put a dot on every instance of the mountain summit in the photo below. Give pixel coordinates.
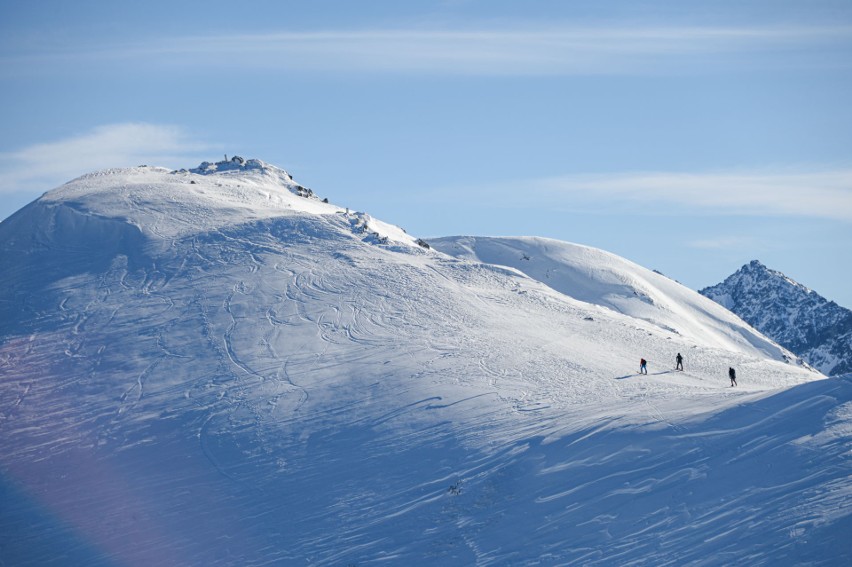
(818, 330)
(213, 366)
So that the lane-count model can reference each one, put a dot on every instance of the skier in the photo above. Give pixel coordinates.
(643, 366)
(732, 374)
(679, 359)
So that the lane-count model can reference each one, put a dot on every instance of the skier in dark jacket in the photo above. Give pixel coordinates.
(679, 360)
(643, 366)
(732, 374)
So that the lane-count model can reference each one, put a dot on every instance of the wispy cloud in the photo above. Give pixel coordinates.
(40, 167)
(724, 243)
(811, 193)
(541, 50)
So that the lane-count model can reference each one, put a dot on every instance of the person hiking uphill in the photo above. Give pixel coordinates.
(679, 360)
(643, 366)
(732, 374)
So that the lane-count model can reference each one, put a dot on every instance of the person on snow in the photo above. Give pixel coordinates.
(643, 366)
(732, 374)
(679, 360)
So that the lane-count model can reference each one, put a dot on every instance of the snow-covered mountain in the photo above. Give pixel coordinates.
(818, 330)
(215, 367)
(604, 279)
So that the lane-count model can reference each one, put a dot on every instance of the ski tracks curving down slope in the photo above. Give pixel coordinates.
(213, 367)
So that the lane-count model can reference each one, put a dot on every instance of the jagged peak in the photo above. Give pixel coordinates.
(758, 269)
(795, 316)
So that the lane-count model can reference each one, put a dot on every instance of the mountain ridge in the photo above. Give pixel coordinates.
(818, 330)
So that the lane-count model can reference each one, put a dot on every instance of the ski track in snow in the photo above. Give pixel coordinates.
(293, 391)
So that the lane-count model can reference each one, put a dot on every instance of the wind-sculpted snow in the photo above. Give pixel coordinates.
(299, 384)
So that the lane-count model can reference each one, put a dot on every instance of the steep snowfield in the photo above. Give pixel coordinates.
(206, 368)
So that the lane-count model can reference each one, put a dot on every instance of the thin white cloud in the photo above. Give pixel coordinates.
(825, 193)
(723, 243)
(41, 167)
(543, 50)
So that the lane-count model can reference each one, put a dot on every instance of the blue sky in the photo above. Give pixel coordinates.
(690, 137)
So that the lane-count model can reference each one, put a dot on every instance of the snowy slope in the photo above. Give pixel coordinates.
(818, 330)
(599, 277)
(214, 367)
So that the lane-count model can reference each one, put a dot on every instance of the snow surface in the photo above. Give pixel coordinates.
(213, 367)
(602, 278)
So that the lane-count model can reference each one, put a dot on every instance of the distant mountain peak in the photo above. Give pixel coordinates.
(798, 318)
(756, 268)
